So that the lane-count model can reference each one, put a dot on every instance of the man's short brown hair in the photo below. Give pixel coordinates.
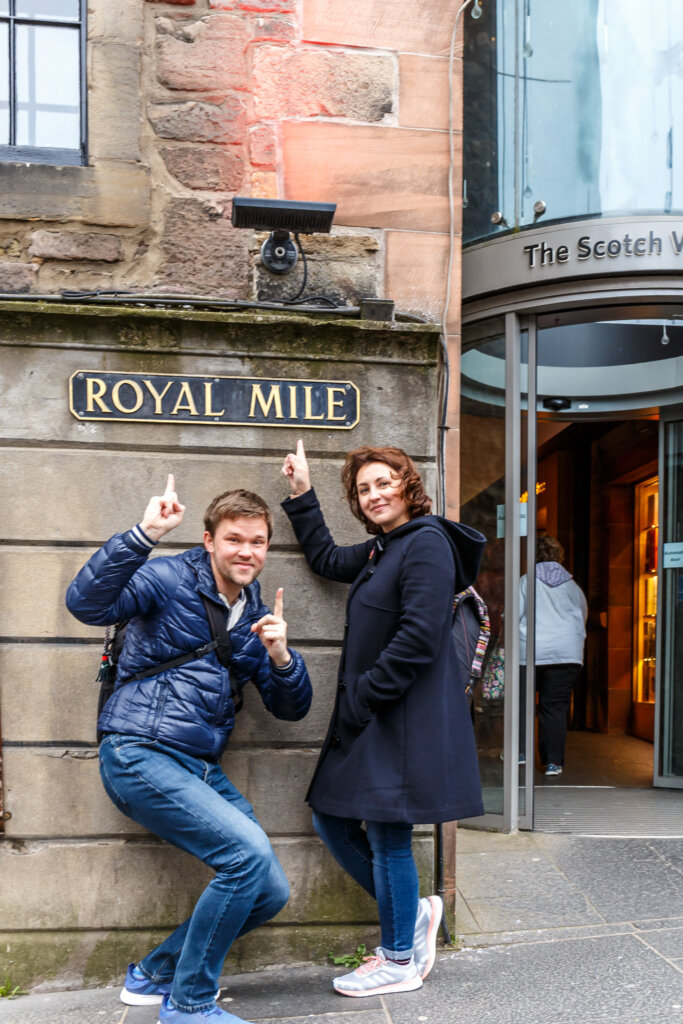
(235, 504)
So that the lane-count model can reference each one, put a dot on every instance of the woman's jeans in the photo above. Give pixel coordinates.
(191, 804)
(380, 859)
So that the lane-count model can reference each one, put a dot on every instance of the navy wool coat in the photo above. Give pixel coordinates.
(400, 745)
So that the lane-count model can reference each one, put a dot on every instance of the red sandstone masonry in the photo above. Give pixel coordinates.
(205, 55)
(308, 83)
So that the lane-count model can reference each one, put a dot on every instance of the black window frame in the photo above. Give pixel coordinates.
(11, 153)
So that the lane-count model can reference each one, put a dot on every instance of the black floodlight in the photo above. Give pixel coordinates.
(281, 217)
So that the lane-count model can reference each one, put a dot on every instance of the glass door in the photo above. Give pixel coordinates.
(668, 771)
(497, 498)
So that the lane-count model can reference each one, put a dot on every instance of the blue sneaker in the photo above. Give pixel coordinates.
(553, 769)
(140, 991)
(169, 1015)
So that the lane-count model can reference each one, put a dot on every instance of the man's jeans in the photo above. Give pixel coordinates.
(380, 859)
(191, 804)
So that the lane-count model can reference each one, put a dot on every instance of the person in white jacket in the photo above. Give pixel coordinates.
(561, 611)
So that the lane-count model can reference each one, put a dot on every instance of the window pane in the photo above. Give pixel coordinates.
(4, 6)
(52, 10)
(4, 85)
(48, 94)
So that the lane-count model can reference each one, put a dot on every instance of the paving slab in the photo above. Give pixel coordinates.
(509, 873)
(543, 910)
(616, 874)
(574, 982)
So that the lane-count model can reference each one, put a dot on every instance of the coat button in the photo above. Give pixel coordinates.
(335, 740)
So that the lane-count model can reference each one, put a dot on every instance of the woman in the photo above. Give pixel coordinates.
(561, 611)
(400, 747)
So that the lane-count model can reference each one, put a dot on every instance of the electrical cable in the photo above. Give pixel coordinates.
(443, 426)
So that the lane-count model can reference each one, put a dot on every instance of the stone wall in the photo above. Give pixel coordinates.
(84, 890)
(191, 102)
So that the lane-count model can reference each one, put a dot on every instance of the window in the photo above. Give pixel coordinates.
(42, 81)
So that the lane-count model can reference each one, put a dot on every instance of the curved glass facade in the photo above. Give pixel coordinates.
(571, 110)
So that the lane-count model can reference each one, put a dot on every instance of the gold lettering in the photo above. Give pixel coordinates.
(157, 397)
(273, 399)
(332, 404)
(93, 396)
(116, 395)
(188, 404)
(308, 408)
(208, 404)
(292, 402)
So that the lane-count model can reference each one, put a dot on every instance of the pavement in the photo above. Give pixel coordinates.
(552, 929)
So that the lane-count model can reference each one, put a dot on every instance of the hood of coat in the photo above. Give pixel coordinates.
(466, 544)
(552, 573)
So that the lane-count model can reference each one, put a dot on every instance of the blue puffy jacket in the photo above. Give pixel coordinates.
(189, 707)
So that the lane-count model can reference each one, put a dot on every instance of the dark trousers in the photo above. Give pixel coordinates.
(554, 685)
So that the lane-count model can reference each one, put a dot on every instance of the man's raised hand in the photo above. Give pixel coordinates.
(163, 513)
(295, 468)
(272, 631)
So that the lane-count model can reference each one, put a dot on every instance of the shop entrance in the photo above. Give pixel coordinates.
(597, 467)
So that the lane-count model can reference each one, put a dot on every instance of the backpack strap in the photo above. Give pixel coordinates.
(222, 644)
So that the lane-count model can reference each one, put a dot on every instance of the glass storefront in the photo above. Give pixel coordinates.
(599, 466)
(571, 111)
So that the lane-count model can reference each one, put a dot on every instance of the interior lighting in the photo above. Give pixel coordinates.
(665, 339)
(477, 10)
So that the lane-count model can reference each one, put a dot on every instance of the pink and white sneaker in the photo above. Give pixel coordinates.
(378, 976)
(429, 914)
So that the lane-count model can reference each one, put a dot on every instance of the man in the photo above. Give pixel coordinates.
(164, 731)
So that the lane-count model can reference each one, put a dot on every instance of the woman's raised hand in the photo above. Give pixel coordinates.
(295, 468)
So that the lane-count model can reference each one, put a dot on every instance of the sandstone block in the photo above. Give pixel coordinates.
(114, 101)
(69, 884)
(263, 146)
(343, 281)
(200, 122)
(109, 489)
(48, 694)
(204, 55)
(256, 6)
(72, 245)
(378, 176)
(416, 264)
(375, 23)
(206, 167)
(203, 252)
(264, 185)
(316, 605)
(56, 791)
(122, 22)
(275, 28)
(177, 3)
(309, 83)
(17, 277)
(113, 193)
(423, 92)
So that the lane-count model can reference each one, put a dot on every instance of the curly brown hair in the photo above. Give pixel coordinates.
(548, 549)
(412, 488)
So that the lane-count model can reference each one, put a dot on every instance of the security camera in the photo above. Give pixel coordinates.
(281, 217)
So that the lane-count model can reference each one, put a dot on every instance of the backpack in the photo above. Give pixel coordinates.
(471, 632)
(113, 645)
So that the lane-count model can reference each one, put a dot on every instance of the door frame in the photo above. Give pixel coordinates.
(667, 415)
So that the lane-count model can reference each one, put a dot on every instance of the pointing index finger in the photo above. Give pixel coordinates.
(301, 454)
(278, 607)
(170, 486)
